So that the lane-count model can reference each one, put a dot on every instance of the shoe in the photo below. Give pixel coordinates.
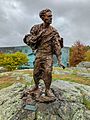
(32, 89)
(49, 93)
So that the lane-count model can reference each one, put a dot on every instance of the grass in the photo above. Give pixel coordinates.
(5, 85)
(72, 78)
(7, 79)
(86, 102)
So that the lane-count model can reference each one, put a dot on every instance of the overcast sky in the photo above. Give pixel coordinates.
(70, 17)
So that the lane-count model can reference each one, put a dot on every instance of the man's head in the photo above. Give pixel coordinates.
(46, 16)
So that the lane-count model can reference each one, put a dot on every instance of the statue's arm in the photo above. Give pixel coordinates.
(57, 47)
(33, 36)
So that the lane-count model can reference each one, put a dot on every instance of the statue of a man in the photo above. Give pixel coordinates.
(45, 40)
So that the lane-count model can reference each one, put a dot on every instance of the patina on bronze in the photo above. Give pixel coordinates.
(45, 40)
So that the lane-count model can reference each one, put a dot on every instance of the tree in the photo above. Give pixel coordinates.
(12, 61)
(77, 53)
(87, 56)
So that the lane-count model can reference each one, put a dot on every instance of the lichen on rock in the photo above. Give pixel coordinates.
(67, 106)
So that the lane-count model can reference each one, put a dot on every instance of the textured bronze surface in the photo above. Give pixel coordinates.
(44, 41)
(39, 95)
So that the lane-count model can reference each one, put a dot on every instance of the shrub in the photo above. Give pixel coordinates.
(12, 61)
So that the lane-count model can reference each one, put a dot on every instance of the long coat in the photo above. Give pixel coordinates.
(45, 44)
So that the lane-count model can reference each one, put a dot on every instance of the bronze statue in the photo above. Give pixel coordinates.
(45, 41)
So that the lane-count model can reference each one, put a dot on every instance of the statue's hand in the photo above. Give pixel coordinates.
(61, 65)
(24, 39)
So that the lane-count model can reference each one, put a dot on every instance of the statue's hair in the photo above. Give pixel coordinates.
(43, 12)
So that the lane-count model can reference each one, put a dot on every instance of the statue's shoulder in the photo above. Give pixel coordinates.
(35, 28)
(54, 29)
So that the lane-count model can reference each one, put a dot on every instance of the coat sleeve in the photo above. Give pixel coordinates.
(56, 46)
(32, 38)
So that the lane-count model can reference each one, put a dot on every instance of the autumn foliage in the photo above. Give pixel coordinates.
(87, 56)
(77, 53)
(12, 61)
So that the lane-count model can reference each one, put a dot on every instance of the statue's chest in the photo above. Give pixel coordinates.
(48, 30)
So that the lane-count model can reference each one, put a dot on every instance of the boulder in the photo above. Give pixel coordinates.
(84, 64)
(69, 103)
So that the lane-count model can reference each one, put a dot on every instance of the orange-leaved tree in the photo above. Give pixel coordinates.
(87, 56)
(77, 53)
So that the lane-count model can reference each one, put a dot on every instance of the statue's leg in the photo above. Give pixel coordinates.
(36, 80)
(47, 81)
(48, 77)
(36, 75)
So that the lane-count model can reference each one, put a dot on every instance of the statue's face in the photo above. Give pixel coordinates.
(48, 18)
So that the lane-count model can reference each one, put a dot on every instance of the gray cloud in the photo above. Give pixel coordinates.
(70, 17)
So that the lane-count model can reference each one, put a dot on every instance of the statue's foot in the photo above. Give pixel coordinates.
(49, 93)
(47, 97)
(33, 89)
(34, 92)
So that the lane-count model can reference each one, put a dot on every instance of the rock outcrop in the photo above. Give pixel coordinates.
(72, 103)
(84, 64)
